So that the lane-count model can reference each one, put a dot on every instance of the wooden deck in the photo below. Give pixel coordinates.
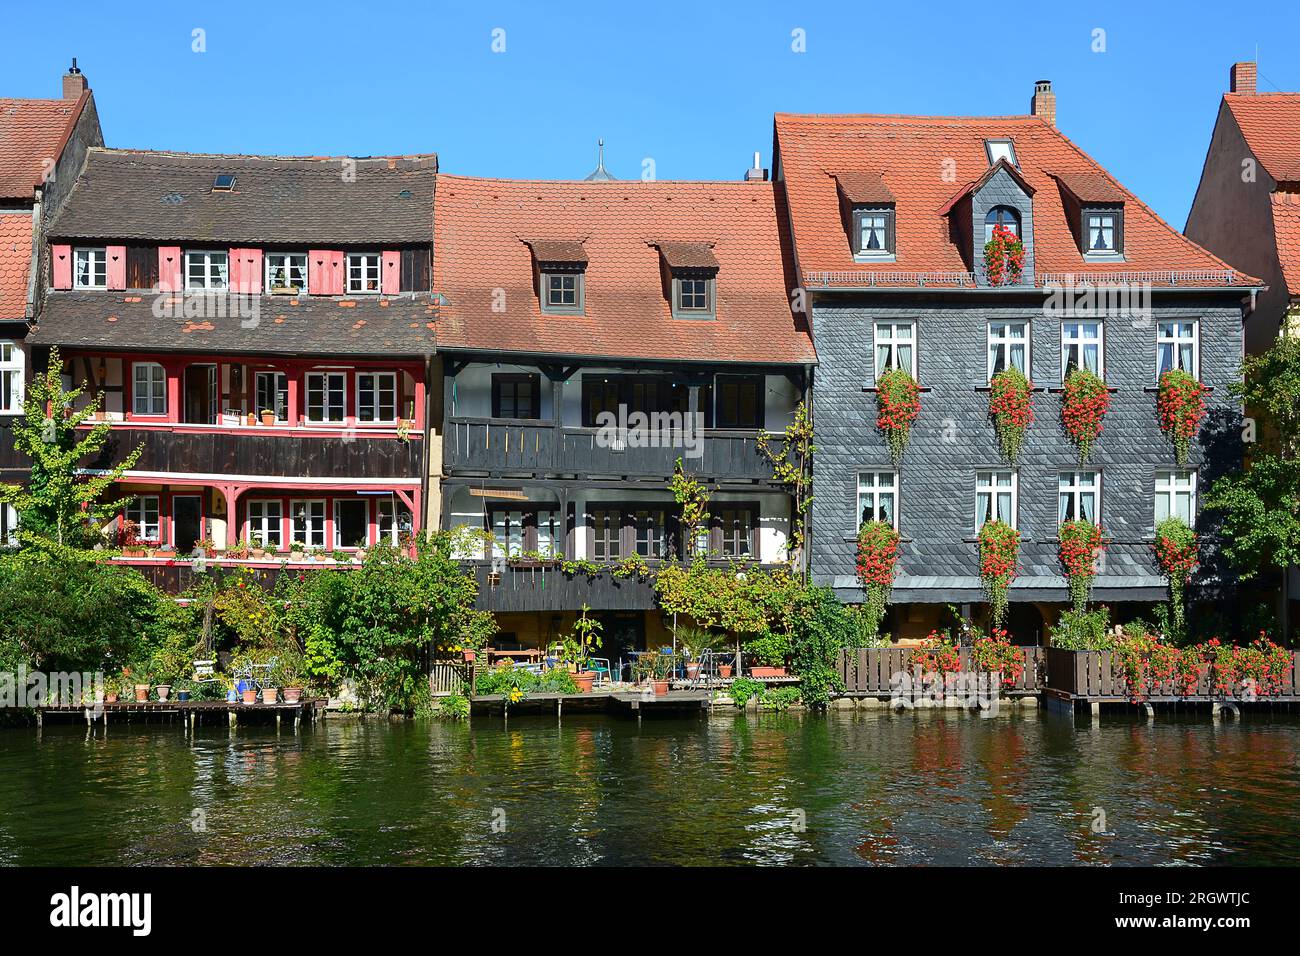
(191, 712)
(626, 702)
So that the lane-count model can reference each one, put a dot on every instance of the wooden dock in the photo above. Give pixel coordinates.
(192, 713)
(626, 702)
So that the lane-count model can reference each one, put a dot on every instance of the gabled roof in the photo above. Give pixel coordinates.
(15, 263)
(923, 161)
(1270, 122)
(1286, 227)
(558, 250)
(160, 196)
(862, 187)
(32, 135)
(1089, 186)
(481, 260)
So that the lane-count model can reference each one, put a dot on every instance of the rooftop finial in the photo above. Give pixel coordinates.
(601, 174)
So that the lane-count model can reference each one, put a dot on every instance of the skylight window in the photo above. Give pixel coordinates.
(1000, 149)
(224, 183)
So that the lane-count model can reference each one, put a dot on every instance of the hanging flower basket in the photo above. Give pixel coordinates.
(1180, 406)
(1004, 257)
(1011, 408)
(1084, 402)
(897, 405)
(1081, 544)
(877, 563)
(999, 545)
(1176, 552)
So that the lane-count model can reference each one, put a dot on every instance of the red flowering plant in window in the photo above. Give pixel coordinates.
(877, 562)
(995, 654)
(1180, 406)
(1084, 401)
(1004, 257)
(1012, 410)
(999, 545)
(1081, 544)
(1176, 552)
(897, 405)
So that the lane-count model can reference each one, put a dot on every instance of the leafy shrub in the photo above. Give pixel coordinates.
(1084, 630)
(780, 698)
(743, 688)
(453, 707)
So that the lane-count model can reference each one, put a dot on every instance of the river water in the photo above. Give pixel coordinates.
(842, 789)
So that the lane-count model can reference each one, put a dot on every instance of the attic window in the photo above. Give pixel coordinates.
(1103, 231)
(873, 231)
(224, 183)
(691, 270)
(1000, 149)
(560, 265)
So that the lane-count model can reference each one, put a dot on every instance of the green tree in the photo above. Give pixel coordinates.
(792, 467)
(693, 498)
(60, 504)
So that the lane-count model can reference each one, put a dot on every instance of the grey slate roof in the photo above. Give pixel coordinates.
(158, 196)
(257, 325)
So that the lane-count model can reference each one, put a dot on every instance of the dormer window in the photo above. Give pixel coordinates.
(693, 294)
(1000, 149)
(867, 209)
(873, 231)
(1003, 216)
(562, 291)
(1103, 231)
(690, 272)
(207, 269)
(90, 269)
(364, 274)
(286, 273)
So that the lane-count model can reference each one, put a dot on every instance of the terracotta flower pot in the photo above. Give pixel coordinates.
(141, 693)
(110, 698)
(470, 656)
(661, 687)
(584, 680)
(767, 672)
(724, 671)
(269, 694)
(693, 670)
(268, 419)
(292, 695)
(164, 692)
(250, 696)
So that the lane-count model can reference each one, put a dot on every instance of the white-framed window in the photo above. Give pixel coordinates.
(365, 270)
(90, 268)
(8, 526)
(995, 497)
(877, 497)
(144, 512)
(286, 272)
(394, 519)
(273, 394)
(1176, 495)
(307, 522)
(376, 396)
(1178, 347)
(1079, 496)
(1105, 232)
(265, 522)
(326, 396)
(895, 347)
(149, 389)
(207, 269)
(1000, 149)
(1008, 347)
(351, 522)
(1081, 347)
(12, 362)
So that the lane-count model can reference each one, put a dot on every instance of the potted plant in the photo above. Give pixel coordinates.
(138, 682)
(578, 647)
(695, 643)
(268, 417)
(164, 692)
(183, 690)
(288, 674)
(296, 550)
(252, 418)
(128, 540)
(207, 546)
(270, 695)
(256, 547)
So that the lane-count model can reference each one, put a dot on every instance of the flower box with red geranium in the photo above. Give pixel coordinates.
(938, 655)
(999, 548)
(1084, 402)
(1004, 257)
(897, 405)
(995, 654)
(1176, 553)
(1180, 406)
(1012, 410)
(877, 561)
(1080, 545)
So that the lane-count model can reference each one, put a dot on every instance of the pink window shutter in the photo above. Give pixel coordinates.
(169, 269)
(116, 267)
(392, 280)
(61, 266)
(253, 271)
(337, 271)
(318, 272)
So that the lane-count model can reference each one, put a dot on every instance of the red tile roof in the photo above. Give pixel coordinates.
(912, 154)
(1271, 124)
(32, 134)
(15, 261)
(483, 269)
(1286, 226)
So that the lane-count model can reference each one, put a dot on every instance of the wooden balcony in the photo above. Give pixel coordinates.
(508, 445)
(549, 588)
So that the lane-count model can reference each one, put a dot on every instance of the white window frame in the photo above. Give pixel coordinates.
(395, 509)
(216, 270)
(1169, 484)
(1174, 339)
(875, 491)
(375, 403)
(97, 259)
(325, 391)
(338, 536)
(285, 261)
(306, 539)
(154, 405)
(280, 404)
(8, 526)
(986, 483)
(138, 512)
(1004, 339)
(1114, 226)
(13, 367)
(1076, 491)
(1078, 340)
(363, 262)
(885, 334)
(1000, 149)
(264, 525)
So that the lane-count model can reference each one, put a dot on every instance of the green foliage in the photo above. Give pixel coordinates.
(743, 688)
(693, 499)
(780, 698)
(508, 679)
(737, 598)
(1082, 630)
(770, 649)
(792, 467)
(452, 707)
(819, 629)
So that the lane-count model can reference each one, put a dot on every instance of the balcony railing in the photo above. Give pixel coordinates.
(549, 588)
(482, 444)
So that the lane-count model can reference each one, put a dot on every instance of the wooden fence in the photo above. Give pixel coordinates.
(450, 677)
(1097, 675)
(870, 671)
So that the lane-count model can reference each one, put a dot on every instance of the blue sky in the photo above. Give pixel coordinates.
(692, 85)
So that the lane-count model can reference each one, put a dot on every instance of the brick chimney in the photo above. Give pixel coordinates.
(74, 82)
(1241, 79)
(1043, 102)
